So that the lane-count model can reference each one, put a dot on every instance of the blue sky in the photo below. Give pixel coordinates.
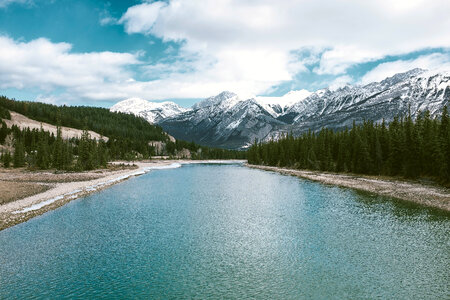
(100, 52)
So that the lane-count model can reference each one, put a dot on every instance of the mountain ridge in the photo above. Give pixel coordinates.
(228, 121)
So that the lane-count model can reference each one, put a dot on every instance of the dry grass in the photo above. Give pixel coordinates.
(20, 183)
(11, 191)
(54, 176)
(21, 188)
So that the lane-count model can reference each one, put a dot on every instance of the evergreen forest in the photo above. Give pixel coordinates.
(404, 147)
(128, 138)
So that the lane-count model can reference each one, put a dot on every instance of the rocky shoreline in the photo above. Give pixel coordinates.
(431, 196)
(65, 187)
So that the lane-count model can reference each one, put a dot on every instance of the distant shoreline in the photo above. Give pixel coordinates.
(73, 187)
(431, 196)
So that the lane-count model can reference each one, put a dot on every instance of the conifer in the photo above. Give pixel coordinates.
(19, 154)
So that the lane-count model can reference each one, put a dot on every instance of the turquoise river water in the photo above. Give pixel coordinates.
(227, 231)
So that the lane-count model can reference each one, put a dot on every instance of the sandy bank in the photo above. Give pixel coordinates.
(432, 196)
(62, 188)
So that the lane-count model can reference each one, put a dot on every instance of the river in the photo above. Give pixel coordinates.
(227, 231)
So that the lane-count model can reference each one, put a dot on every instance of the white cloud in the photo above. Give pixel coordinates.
(285, 100)
(364, 29)
(103, 76)
(245, 46)
(107, 20)
(140, 18)
(50, 99)
(105, 17)
(435, 61)
(340, 58)
(247, 41)
(340, 81)
(48, 66)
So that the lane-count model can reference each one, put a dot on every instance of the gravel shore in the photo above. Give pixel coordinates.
(428, 195)
(60, 189)
(28, 194)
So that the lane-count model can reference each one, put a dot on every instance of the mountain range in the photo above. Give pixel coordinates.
(228, 121)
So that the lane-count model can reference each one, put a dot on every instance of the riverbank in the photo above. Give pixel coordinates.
(428, 195)
(26, 194)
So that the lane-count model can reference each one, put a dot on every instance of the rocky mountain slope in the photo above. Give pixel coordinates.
(228, 121)
(224, 121)
(416, 90)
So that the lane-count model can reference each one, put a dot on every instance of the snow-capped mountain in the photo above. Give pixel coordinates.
(151, 111)
(223, 121)
(228, 121)
(415, 91)
(278, 106)
(224, 100)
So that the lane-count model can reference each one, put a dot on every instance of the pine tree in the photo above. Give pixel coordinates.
(103, 155)
(19, 154)
(411, 165)
(312, 160)
(84, 161)
(444, 134)
(362, 161)
(42, 159)
(378, 156)
(341, 166)
(6, 159)
(396, 142)
(4, 131)
(58, 151)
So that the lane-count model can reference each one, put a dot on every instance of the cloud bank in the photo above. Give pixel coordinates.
(250, 46)
(435, 61)
(348, 32)
(246, 46)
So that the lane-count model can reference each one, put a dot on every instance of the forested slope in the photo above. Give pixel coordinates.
(404, 147)
(100, 120)
(129, 138)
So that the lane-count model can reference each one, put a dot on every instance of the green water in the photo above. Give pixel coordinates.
(226, 231)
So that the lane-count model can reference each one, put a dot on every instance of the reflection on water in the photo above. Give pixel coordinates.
(211, 231)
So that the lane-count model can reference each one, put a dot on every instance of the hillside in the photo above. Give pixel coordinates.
(122, 136)
(67, 133)
(99, 120)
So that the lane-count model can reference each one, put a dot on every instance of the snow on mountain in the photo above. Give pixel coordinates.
(277, 106)
(415, 91)
(224, 100)
(274, 105)
(228, 121)
(151, 111)
(222, 121)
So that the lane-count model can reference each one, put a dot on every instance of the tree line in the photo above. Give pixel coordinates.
(38, 149)
(404, 147)
(128, 138)
(100, 120)
(203, 152)
(4, 113)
